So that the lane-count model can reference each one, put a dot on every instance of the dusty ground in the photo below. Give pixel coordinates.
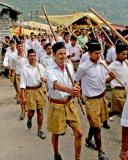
(19, 143)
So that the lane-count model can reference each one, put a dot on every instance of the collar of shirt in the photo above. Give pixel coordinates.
(46, 55)
(55, 65)
(29, 65)
(20, 57)
(98, 62)
(118, 62)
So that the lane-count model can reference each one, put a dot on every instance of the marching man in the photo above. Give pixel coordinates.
(93, 78)
(32, 94)
(62, 110)
(17, 62)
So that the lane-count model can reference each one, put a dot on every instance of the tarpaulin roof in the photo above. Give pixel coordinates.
(71, 18)
(43, 26)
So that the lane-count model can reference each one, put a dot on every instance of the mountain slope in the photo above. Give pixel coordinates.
(113, 10)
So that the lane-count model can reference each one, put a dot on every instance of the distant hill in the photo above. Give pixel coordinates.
(115, 11)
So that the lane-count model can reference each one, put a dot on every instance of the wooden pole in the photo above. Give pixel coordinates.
(91, 26)
(44, 86)
(115, 78)
(111, 27)
(46, 15)
(79, 100)
(76, 36)
(106, 35)
(104, 32)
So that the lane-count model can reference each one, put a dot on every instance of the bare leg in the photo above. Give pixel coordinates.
(54, 140)
(77, 142)
(39, 118)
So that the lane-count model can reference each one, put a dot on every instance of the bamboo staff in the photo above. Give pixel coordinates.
(106, 35)
(79, 101)
(45, 88)
(104, 32)
(91, 26)
(76, 36)
(115, 77)
(102, 56)
(111, 27)
(46, 15)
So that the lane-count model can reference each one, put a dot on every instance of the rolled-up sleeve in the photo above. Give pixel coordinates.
(79, 74)
(50, 77)
(12, 63)
(5, 62)
(23, 79)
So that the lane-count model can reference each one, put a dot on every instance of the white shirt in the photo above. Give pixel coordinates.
(121, 71)
(46, 60)
(9, 53)
(124, 118)
(40, 52)
(93, 78)
(84, 57)
(111, 54)
(31, 76)
(54, 73)
(17, 62)
(60, 39)
(67, 45)
(29, 44)
(74, 49)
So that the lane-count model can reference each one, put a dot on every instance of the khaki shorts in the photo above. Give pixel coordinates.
(96, 110)
(17, 80)
(59, 115)
(118, 99)
(13, 77)
(75, 65)
(34, 99)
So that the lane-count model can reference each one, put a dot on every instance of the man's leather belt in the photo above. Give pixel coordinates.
(119, 87)
(34, 87)
(60, 101)
(99, 96)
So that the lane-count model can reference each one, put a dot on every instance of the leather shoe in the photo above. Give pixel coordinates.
(29, 123)
(90, 144)
(57, 156)
(41, 134)
(102, 156)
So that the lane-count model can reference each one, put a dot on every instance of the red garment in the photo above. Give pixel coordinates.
(62, 68)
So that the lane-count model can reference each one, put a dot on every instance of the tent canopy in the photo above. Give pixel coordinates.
(42, 26)
(71, 18)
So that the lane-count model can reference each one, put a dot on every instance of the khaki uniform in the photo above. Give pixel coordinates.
(93, 79)
(34, 99)
(60, 114)
(118, 92)
(118, 99)
(31, 82)
(96, 110)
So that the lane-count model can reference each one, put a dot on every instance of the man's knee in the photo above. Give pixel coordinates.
(97, 129)
(78, 133)
(39, 112)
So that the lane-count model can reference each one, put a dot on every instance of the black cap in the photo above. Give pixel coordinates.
(120, 47)
(94, 45)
